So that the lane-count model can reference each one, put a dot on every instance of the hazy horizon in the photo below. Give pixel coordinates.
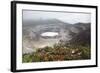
(62, 16)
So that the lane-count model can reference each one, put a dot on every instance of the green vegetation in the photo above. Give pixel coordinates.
(59, 52)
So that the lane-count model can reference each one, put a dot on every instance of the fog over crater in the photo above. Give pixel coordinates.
(42, 29)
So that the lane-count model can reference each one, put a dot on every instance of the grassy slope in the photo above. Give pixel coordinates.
(58, 52)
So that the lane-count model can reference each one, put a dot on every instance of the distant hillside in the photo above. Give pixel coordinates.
(43, 22)
(82, 38)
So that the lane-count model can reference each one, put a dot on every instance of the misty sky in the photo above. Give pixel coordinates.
(69, 17)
